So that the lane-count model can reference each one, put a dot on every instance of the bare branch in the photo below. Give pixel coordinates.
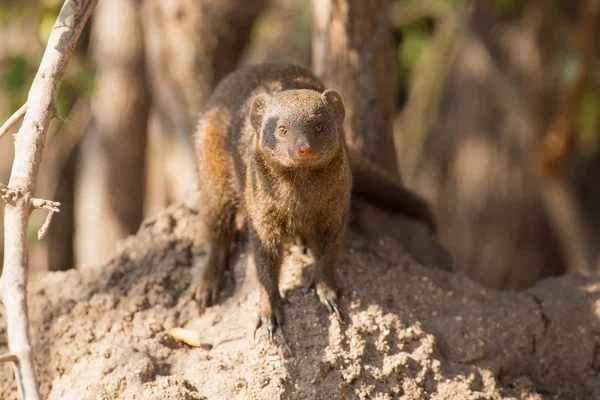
(29, 147)
(16, 117)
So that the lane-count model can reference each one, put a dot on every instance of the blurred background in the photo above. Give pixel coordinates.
(490, 109)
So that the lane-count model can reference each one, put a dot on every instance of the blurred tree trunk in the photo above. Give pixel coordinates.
(110, 188)
(476, 166)
(283, 21)
(57, 181)
(191, 45)
(353, 53)
(61, 234)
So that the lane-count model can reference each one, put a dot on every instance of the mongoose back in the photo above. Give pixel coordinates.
(271, 141)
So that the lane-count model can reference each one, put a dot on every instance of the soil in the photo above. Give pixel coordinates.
(411, 332)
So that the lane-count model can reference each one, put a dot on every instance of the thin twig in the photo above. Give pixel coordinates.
(62, 118)
(16, 117)
(47, 204)
(44, 229)
(4, 193)
(29, 147)
(52, 207)
(8, 195)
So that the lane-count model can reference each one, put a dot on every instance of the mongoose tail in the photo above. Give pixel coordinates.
(375, 185)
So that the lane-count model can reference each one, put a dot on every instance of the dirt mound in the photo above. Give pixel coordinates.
(411, 332)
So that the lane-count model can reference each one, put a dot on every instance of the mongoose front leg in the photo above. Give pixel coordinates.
(218, 222)
(211, 279)
(326, 247)
(217, 204)
(267, 260)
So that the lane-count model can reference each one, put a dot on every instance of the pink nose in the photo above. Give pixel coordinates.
(304, 151)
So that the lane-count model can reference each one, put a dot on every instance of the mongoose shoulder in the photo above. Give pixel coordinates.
(271, 141)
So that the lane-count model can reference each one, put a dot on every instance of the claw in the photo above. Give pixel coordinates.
(285, 343)
(257, 327)
(336, 309)
(329, 307)
(276, 322)
(328, 298)
(206, 295)
(270, 331)
(272, 327)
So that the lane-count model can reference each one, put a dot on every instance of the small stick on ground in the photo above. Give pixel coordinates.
(18, 195)
(8, 358)
(189, 337)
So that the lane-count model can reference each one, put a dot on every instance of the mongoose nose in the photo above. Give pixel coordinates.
(304, 150)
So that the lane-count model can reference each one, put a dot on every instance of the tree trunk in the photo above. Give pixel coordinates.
(476, 167)
(191, 45)
(56, 252)
(61, 234)
(283, 21)
(353, 53)
(111, 176)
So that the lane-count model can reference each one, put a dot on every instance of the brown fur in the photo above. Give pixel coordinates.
(249, 143)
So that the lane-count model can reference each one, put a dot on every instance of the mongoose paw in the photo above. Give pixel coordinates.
(273, 325)
(328, 297)
(206, 294)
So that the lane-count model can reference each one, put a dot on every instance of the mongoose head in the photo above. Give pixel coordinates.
(298, 128)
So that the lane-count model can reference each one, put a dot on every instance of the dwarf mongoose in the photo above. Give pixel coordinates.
(271, 141)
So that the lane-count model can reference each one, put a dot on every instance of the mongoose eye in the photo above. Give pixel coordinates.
(319, 127)
(282, 130)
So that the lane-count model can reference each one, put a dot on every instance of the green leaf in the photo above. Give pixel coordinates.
(416, 40)
(588, 122)
(570, 69)
(510, 5)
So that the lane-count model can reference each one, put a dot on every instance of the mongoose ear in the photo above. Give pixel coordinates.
(334, 100)
(258, 110)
